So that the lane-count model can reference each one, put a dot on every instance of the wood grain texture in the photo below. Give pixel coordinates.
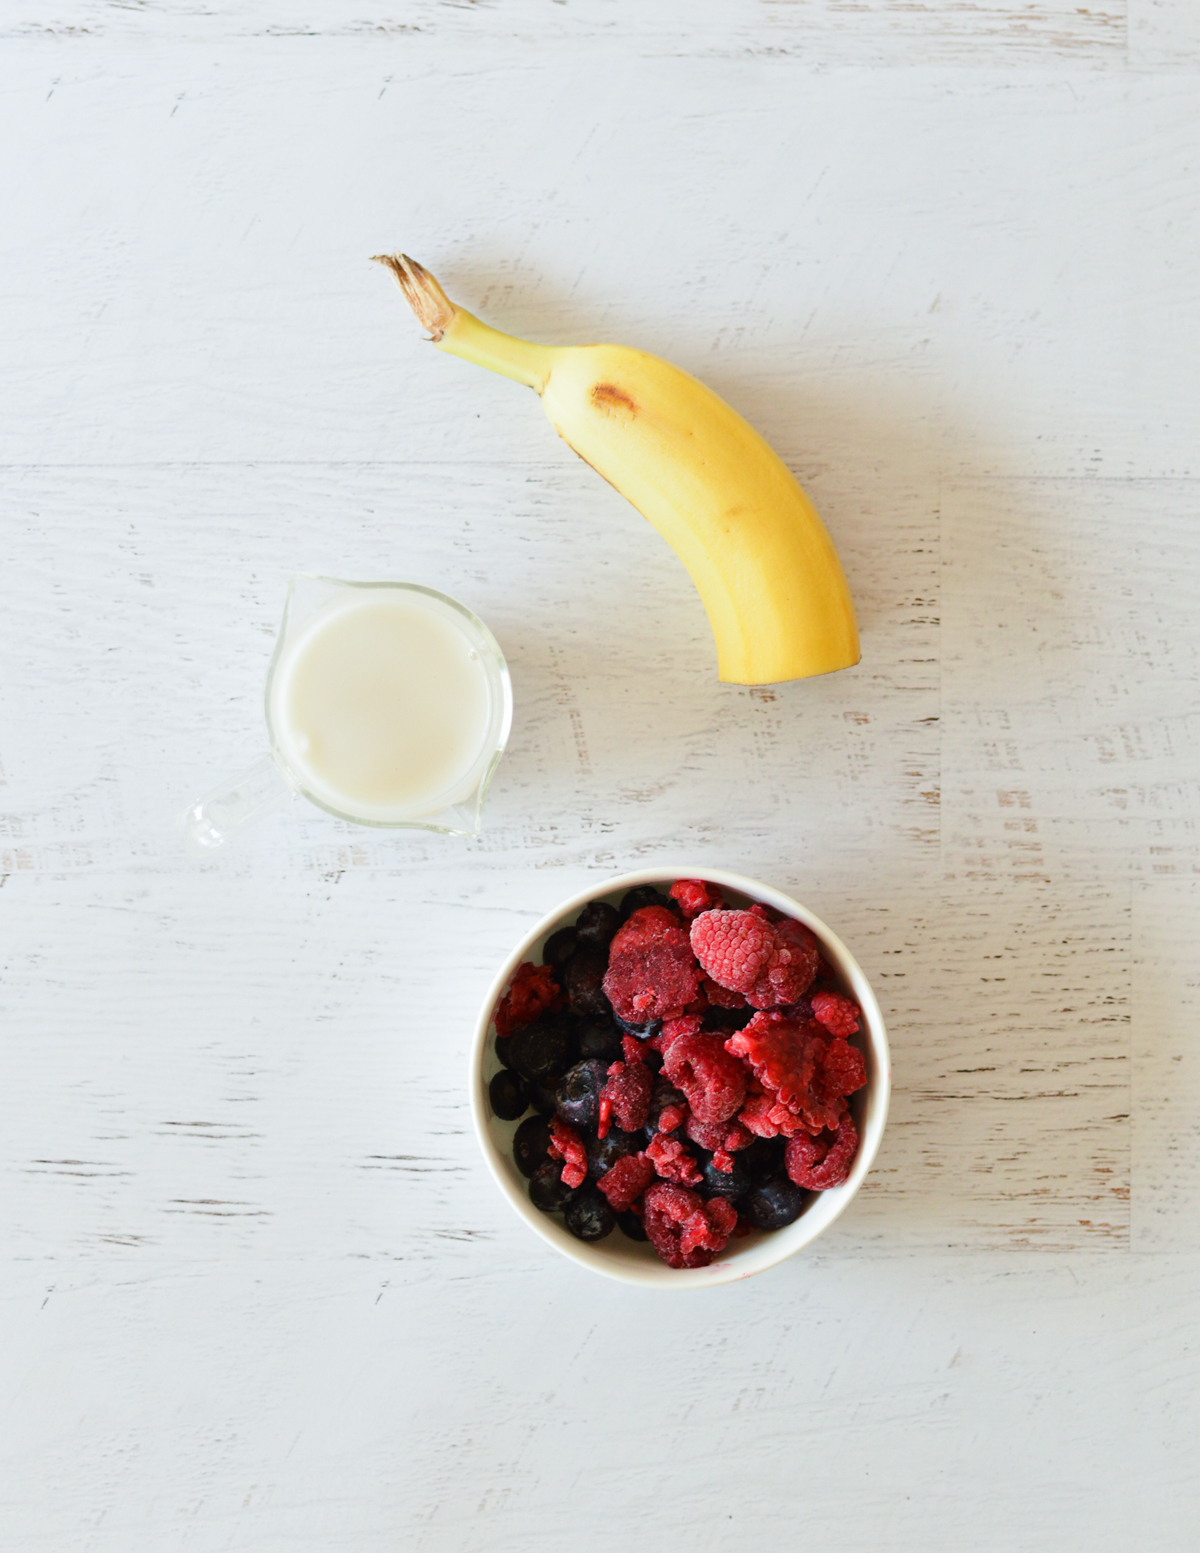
(259, 1293)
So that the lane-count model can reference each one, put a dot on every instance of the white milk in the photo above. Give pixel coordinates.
(381, 708)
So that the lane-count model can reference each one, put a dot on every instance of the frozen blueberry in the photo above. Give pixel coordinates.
(763, 1158)
(598, 923)
(727, 1020)
(644, 895)
(588, 1215)
(775, 1203)
(603, 1153)
(579, 1094)
(730, 1184)
(544, 1097)
(629, 1224)
(504, 1049)
(544, 1048)
(560, 947)
(583, 976)
(547, 1189)
(599, 1038)
(642, 1032)
(531, 1144)
(508, 1095)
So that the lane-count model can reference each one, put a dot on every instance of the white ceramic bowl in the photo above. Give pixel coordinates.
(635, 1261)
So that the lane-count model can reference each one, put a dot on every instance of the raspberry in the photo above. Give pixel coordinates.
(668, 1108)
(789, 1057)
(532, 993)
(672, 1161)
(733, 947)
(652, 973)
(696, 895)
(626, 1181)
(793, 966)
(718, 1137)
(684, 1230)
(632, 1049)
(712, 1079)
(626, 1096)
(566, 1144)
(765, 1117)
(686, 1024)
(836, 1013)
(722, 997)
(824, 1161)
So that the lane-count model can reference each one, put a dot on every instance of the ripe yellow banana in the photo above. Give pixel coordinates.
(759, 555)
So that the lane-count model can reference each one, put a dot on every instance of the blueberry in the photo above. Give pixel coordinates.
(544, 1097)
(588, 1215)
(508, 1095)
(730, 1184)
(776, 1203)
(599, 1038)
(603, 1153)
(642, 895)
(547, 1189)
(531, 1144)
(629, 1224)
(583, 977)
(727, 1020)
(642, 1032)
(763, 1158)
(560, 947)
(504, 1049)
(543, 1048)
(597, 924)
(579, 1094)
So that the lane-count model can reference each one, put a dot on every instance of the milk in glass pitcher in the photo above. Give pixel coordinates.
(387, 704)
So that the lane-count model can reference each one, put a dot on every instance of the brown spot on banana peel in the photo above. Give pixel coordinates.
(608, 397)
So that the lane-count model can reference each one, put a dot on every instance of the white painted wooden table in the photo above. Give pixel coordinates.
(258, 1293)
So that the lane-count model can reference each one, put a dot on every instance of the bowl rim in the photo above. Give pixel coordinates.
(789, 1240)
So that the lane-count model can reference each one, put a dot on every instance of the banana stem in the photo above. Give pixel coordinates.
(453, 329)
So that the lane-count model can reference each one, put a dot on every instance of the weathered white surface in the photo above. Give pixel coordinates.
(259, 1292)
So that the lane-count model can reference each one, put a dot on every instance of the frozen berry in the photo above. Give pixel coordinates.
(727, 1020)
(668, 1108)
(503, 1044)
(685, 1230)
(534, 991)
(763, 1158)
(731, 1184)
(547, 1190)
(696, 895)
(603, 1153)
(796, 1063)
(579, 1093)
(733, 947)
(652, 972)
(531, 1144)
(625, 1097)
(583, 976)
(544, 1097)
(560, 947)
(626, 1181)
(673, 1160)
(775, 1203)
(597, 923)
(713, 1080)
(631, 1225)
(599, 1038)
(824, 1161)
(642, 1032)
(588, 1215)
(508, 1095)
(542, 1050)
(641, 895)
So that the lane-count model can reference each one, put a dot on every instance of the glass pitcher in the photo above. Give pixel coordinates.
(387, 704)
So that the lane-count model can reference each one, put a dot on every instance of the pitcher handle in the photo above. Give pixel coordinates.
(211, 820)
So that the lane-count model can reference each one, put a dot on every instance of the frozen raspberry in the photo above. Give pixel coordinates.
(789, 1057)
(652, 973)
(734, 948)
(722, 997)
(533, 992)
(567, 1145)
(626, 1181)
(767, 913)
(724, 1137)
(672, 1161)
(684, 1230)
(824, 1161)
(838, 1014)
(713, 1080)
(686, 1024)
(766, 1117)
(792, 967)
(696, 895)
(626, 1096)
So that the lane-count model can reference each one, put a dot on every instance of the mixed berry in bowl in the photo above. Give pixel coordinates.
(680, 1067)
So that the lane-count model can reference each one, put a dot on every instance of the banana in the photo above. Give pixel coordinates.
(759, 555)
